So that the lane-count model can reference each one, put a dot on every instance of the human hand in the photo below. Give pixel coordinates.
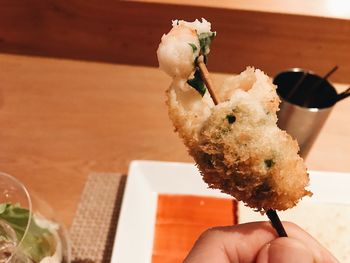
(257, 242)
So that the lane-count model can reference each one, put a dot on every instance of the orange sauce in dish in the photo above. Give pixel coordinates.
(181, 219)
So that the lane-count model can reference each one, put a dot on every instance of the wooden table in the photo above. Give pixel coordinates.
(63, 119)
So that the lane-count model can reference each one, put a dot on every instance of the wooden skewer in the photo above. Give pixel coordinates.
(206, 78)
(271, 214)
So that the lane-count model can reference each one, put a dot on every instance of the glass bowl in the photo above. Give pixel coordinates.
(29, 229)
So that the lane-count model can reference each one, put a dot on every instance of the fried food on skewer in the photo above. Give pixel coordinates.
(236, 144)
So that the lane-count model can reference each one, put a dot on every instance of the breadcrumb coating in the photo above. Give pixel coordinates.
(236, 144)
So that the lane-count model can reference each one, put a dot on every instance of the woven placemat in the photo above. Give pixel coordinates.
(93, 229)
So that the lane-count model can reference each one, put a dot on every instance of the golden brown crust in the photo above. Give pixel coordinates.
(238, 147)
(236, 144)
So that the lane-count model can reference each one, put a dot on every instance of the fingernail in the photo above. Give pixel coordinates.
(285, 250)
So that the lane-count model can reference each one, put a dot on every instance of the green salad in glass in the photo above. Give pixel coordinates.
(28, 230)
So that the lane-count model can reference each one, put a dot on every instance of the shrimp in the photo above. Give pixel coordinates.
(236, 144)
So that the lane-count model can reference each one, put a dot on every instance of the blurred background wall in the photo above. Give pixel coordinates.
(128, 32)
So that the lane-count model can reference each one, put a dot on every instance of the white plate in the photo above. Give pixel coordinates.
(134, 237)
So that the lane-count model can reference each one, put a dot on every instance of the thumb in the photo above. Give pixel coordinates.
(285, 250)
